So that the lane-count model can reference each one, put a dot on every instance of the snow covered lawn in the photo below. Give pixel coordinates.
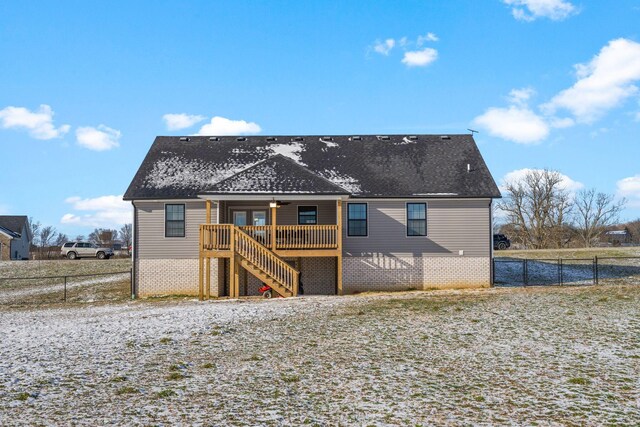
(499, 356)
(27, 282)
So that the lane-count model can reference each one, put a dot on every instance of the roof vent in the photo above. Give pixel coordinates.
(214, 138)
(413, 137)
(383, 137)
(445, 137)
(356, 138)
(271, 138)
(297, 138)
(184, 138)
(241, 138)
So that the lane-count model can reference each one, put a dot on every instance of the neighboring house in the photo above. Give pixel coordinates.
(618, 237)
(15, 237)
(342, 214)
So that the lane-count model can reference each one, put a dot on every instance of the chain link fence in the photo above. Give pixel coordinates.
(566, 271)
(94, 287)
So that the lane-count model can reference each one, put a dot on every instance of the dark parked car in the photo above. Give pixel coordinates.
(500, 242)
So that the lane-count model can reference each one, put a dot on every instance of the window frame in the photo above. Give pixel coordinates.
(184, 220)
(366, 220)
(426, 217)
(308, 206)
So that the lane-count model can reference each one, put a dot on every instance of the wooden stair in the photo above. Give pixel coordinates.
(264, 264)
(265, 278)
(244, 250)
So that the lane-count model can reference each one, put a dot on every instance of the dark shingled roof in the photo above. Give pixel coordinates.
(14, 223)
(366, 166)
(277, 174)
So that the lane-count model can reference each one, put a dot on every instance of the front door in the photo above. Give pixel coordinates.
(240, 218)
(260, 218)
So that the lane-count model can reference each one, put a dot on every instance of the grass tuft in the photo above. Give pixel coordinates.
(290, 378)
(579, 381)
(166, 393)
(174, 376)
(127, 390)
(22, 396)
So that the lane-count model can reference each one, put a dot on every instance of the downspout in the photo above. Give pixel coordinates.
(134, 251)
(491, 242)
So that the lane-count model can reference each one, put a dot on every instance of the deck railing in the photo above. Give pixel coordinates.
(261, 233)
(217, 237)
(306, 236)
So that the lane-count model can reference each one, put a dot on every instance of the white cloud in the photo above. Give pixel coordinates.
(517, 175)
(39, 123)
(530, 10)
(630, 189)
(384, 47)
(515, 123)
(181, 121)
(561, 123)
(603, 83)
(98, 139)
(103, 211)
(521, 96)
(429, 37)
(221, 126)
(420, 58)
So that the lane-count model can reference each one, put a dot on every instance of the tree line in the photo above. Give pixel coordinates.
(540, 212)
(46, 240)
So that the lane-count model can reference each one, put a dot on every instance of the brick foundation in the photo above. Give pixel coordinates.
(387, 273)
(360, 274)
(5, 248)
(171, 277)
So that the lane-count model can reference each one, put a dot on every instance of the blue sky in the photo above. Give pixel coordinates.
(86, 86)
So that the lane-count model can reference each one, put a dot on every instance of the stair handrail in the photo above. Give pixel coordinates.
(263, 258)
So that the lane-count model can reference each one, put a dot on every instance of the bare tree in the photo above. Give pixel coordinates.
(61, 239)
(103, 236)
(34, 228)
(126, 235)
(47, 237)
(634, 229)
(79, 238)
(537, 209)
(594, 212)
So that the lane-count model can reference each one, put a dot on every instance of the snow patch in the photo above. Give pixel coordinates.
(345, 181)
(328, 143)
(178, 172)
(292, 150)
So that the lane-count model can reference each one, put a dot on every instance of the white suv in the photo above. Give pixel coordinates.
(75, 250)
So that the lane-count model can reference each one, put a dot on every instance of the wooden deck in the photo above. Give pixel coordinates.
(261, 249)
(284, 240)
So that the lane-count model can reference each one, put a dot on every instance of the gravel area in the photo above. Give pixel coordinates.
(510, 356)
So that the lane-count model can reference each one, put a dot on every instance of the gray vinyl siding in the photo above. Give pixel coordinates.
(151, 243)
(21, 246)
(452, 225)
